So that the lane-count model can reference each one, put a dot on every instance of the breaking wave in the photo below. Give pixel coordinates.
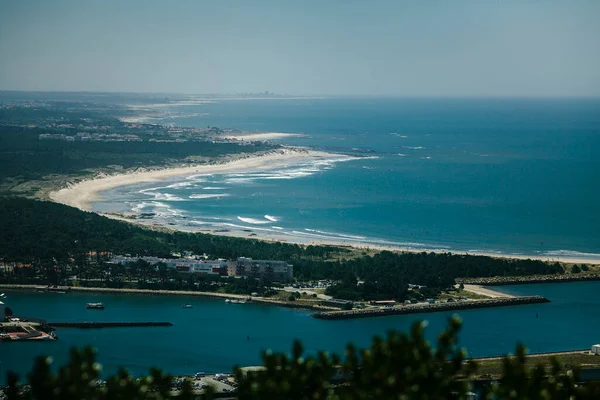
(207, 195)
(254, 221)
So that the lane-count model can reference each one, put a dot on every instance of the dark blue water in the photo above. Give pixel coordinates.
(500, 175)
(212, 336)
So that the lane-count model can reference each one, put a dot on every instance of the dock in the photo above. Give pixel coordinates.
(429, 308)
(98, 325)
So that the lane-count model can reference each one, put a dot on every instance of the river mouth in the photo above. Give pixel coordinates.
(219, 331)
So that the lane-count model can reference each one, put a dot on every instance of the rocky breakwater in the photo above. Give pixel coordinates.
(515, 280)
(428, 308)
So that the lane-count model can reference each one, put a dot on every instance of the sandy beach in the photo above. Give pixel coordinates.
(82, 194)
(486, 291)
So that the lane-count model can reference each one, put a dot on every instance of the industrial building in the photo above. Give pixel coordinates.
(279, 271)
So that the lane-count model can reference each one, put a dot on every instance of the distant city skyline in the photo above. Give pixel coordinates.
(310, 48)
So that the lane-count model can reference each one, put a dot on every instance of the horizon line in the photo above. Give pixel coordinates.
(274, 95)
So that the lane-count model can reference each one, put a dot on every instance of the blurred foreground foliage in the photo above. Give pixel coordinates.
(399, 366)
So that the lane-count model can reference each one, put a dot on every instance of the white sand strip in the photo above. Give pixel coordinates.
(486, 291)
(82, 194)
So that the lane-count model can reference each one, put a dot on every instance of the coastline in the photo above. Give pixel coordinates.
(82, 194)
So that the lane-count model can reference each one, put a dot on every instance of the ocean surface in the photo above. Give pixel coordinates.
(213, 336)
(516, 176)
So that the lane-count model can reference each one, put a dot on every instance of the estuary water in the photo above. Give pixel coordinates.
(514, 176)
(213, 336)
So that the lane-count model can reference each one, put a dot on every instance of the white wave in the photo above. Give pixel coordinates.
(341, 235)
(207, 195)
(399, 135)
(252, 228)
(414, 147)
(214, 188)
(277, 227)
(426, 158)
(239, 180)
(165, 196)
(180, 184)
(253, 220)
(197, 177)
(570, 253)
(141, 206)
(168, 211)
(280, 177)
(402, 155)
(271, 218)
(216, 218)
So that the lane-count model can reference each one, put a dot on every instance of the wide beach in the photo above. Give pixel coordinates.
(82, 194)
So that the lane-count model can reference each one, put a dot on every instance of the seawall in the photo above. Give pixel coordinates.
(429, 308)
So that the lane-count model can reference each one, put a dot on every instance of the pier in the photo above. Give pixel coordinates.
(98, 325)
(429, 308)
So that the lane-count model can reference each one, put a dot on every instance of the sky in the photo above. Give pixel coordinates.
(304, 47)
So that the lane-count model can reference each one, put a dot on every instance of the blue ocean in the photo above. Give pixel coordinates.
(514, 176)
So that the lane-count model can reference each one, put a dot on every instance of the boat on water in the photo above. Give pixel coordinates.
(96, 306)
(186, 306)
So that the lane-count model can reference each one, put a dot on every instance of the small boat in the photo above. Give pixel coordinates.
(97, 306)
(186, 306)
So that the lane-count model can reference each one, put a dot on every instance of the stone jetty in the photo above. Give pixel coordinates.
(429, 308)
(516, 280)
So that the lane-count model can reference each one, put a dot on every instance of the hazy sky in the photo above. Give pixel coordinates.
(401, 48)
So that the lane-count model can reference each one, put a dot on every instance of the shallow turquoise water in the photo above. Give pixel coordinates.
(212, 336)
(505, 175)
